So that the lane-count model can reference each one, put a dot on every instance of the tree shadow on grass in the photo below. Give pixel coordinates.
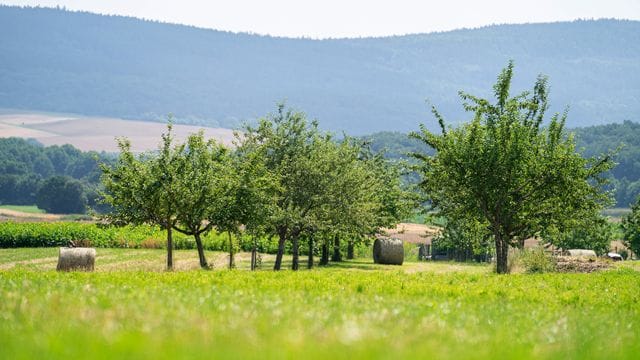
(359, 265)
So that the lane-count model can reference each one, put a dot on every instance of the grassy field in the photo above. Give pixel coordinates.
(28, 209)
(130, 308)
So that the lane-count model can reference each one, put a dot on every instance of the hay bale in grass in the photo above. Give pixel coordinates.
(71, 259)
(582, 253)
(388, 251)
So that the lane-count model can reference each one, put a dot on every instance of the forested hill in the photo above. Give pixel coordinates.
(55, 60)
(590, 141)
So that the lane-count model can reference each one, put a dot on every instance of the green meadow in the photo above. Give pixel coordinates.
(130, 308)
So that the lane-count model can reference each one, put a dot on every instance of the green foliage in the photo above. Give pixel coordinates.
(26, 164)
(590, 141)
(146, 188)
(330, 313)
(320, 188)
(61, 195)
(508, 172)
(631, 228)
(464, 240)
(536, 261)
(594, 233)
(18, 235)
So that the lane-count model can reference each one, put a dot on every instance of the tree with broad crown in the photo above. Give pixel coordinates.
(286, 141)
(508, 171)
(203, 179)
(143, 189)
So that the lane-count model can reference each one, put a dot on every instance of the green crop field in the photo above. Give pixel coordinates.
(130, 308)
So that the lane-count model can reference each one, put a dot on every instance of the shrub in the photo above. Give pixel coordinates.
(535, 260)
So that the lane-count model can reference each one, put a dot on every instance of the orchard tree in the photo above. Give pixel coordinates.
(254, 195)
(144, 189)
(203, 180)
(508, 171)
(292, 152)
(364, 194)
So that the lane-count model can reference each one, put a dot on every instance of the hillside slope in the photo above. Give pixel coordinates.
(55, 60)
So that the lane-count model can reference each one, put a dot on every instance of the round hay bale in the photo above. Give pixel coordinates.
(71, 259)
(584, 253)
(388, 251)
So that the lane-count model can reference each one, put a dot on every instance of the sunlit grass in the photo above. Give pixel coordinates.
(30, 209)
(131, 308)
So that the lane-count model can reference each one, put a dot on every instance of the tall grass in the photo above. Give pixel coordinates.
(328, 313)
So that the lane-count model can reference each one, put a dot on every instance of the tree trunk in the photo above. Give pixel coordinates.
(310, 261)
(169, 247)
(295, 262)
(254, 254)
(324, 258)
(336, 249)
(502, 252)
(232, 262)
(203, 260)
(350, 247)
(281, 240)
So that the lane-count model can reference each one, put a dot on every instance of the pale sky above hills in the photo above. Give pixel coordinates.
(350, 18)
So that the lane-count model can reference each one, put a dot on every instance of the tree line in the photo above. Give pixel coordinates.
(59, 179)
(285, 178)
(503, 177)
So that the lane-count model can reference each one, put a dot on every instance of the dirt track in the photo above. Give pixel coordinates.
(23, 215)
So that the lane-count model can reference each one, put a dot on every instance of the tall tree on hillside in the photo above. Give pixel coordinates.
(144, 189)
(507, 170)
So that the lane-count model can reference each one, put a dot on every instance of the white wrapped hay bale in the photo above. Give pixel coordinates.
(388, 251)
(71, 259)
(582, 253)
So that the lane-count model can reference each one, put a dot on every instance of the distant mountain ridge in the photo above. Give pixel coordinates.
(61, 61)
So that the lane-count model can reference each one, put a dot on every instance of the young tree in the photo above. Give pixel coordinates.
(286, 141)
(144, 189)
(508, 171)
(255, 196)
(203, 179)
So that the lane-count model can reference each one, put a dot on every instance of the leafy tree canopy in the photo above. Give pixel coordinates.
(504, 169)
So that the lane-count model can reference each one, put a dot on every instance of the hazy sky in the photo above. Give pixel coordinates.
(351, 18)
